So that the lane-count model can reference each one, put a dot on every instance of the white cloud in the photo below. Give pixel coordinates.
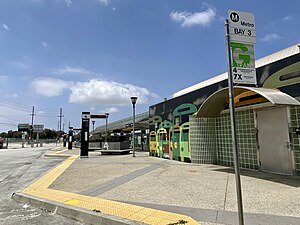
(287, 18)
(270, 37)
(71, 70)
(44, 44)
(107, 92)
(49, 87)
(110, 110)
(104, 2)
(68, 2)
(187, 19)
(11, 96)
(6, 27)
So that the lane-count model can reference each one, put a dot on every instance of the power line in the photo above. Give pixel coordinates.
(14, 105)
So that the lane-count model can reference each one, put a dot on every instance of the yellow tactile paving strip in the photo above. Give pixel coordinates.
(58, 152)
(136, 213)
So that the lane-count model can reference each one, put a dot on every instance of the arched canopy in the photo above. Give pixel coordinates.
(218, 101)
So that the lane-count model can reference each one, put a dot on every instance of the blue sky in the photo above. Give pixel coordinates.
(92, 55)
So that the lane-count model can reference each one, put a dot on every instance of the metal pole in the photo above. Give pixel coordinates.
(233, 130)
(106, 116)
(93, 122)
(31, 131)
(133, 135)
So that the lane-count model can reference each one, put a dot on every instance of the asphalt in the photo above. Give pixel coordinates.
(121, 189)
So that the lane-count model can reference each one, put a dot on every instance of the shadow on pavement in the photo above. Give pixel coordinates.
(282, 179)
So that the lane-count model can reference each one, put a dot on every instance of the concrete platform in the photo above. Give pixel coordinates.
(192, 193)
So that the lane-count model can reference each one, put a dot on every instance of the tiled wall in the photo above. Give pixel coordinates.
(295, 123)
(210, 140)
(246, 139)
(203, 140)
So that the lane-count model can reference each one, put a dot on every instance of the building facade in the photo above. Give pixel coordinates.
(194, 126)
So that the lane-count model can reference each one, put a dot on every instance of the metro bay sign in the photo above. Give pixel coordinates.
(242, 39)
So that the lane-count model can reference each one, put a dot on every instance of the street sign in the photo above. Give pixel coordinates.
(38, 128)
(85, 115)
(243, 63)
(241, 27)
(99, 116)
(24, 127)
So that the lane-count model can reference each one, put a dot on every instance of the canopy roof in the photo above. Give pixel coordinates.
(141, 122)
(218, 101)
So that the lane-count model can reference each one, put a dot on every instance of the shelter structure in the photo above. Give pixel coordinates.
(194, 125)
(121, 130)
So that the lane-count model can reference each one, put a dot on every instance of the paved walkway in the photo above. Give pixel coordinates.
(190, 192)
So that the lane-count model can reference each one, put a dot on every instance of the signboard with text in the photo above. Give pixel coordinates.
(243, 63)
(38, 128)
(24, 127)
(242, 38)
(241, 27)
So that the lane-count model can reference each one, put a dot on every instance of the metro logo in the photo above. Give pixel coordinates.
(234, 17)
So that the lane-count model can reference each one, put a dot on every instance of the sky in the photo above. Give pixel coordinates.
(93, 55)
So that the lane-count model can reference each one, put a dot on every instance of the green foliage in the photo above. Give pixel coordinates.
(46, 134)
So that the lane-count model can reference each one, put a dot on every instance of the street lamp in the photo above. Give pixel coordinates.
(133, 101)
(106, 117)
(93, 122)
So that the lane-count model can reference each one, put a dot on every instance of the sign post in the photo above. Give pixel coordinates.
(70, 138)
(85, 125)
(38, 128)
(240, 34)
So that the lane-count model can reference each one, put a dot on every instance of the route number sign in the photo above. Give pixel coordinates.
(243, 63)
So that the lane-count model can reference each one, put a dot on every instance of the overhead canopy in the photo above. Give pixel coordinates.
(218, 101)
(141, 122)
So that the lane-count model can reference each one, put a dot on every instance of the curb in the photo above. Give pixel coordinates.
(73, 212)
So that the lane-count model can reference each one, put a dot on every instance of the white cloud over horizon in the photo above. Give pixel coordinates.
(270, 37)
(92, 92)
(188, 19)
(97, 91)
(49, 87)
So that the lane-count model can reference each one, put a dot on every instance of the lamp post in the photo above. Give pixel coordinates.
(93, 122)
(106, 118)
(133, 101)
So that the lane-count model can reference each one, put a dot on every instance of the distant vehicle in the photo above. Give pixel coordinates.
(1, 142)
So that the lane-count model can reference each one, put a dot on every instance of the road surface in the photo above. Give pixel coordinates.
(18, 168)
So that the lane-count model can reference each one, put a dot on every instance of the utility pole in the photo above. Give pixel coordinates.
(60, 118)
(32, 116)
